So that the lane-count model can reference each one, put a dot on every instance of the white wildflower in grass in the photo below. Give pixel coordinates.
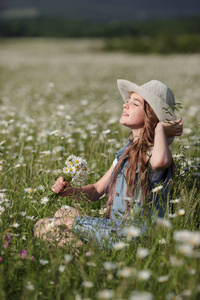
(142, 252)
(105, 132)
(172, 216)
(65, 206)
(2, 195)
(57, 171)
(126, 272)
(15, 225)
(103, 211)
(162, 241)
(30, 217)
(164, 222)
(105, 294)
(93, 133)
(68, 258)
(191, 271)
(2, 209)
(120, 245)
(109, 266)
(187, 131)
(44, 262)
(87, 284)
(44, 200)
(28, 190)
(174, 201)
(23, 213)
(4, 201)
(131, 232)
(186, 250)
(50, 224)
(136, 295)
(187, 293)
(181, 212)
(163, 278)
(91, 264)
(41, 188)
(175, 261)
(45, 153)
(143, 275)
(30, 286)
(157, 189)
(190, 237)
(61, 268)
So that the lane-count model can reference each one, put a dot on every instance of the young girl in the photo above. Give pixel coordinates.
(139, 167)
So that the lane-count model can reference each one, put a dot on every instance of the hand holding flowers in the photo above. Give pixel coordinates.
(76, 170)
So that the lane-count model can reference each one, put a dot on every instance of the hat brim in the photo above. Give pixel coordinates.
(163, 112)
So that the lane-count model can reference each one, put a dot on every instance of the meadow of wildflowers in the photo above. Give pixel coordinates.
(59, 98)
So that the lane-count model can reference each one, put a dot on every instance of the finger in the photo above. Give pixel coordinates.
(179, 120)
(57, 187)
(60, 180)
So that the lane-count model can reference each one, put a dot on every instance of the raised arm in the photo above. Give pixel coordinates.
(161, 157)
(90, 192)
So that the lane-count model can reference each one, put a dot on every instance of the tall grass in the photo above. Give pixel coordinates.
(60, 98)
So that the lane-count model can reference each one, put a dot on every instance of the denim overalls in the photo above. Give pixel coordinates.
(111, 230)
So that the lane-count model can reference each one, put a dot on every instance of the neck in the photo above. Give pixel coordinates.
(136, 134)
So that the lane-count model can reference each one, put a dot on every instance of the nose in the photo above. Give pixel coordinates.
(125, 105)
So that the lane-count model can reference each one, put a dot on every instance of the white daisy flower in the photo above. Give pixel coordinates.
(142, 252)
(2, 209)
(119, 245)
(44, 262)
(163, 278)
(61, 268)
(136, 295)
(157, 189)
(28, 190)
(143, 275)
(181, 212)
(15, 225)
(44, 200)
(164, 222)
(68, 258)
(105, 294)
(131, 232)
(87, 284)
(126, 272)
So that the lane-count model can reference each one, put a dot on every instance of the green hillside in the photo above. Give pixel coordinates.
(155, 36)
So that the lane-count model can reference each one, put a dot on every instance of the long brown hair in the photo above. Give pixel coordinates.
(137, 154)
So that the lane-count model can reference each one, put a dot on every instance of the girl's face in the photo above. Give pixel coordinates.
(133, 112)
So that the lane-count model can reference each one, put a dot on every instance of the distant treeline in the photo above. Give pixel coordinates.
(156, 36)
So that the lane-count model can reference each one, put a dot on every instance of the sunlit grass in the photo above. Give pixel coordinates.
(59, 98)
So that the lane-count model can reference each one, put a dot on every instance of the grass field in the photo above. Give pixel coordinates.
(60, 98)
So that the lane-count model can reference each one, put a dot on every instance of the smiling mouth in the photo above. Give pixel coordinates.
(124, 114)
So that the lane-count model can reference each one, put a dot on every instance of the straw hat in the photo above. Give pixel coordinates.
(157, 94)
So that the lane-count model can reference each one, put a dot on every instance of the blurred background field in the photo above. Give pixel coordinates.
(58, 98)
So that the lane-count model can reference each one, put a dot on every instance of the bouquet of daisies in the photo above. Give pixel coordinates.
(75, 171)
